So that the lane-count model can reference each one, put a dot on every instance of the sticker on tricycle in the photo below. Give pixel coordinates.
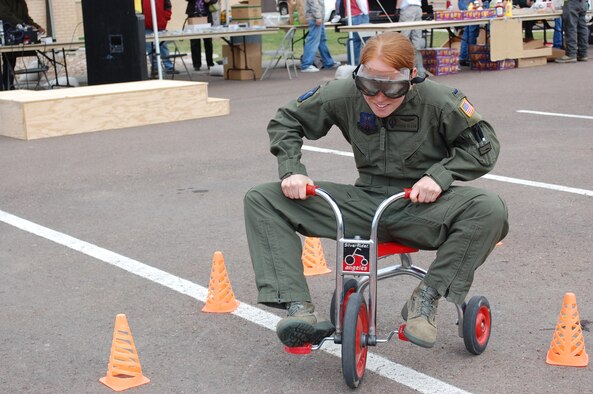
(356, 257)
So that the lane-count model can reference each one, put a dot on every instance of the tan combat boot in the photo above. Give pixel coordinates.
(302, 325)
(421, 328)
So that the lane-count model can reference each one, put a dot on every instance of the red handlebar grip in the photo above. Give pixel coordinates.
(407, 192)
(310, 190)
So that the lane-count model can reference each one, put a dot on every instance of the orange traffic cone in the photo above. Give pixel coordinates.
(313, 259)
(124, 369)
(221, 298)
(568, 344)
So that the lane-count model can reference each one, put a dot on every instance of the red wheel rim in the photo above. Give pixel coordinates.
(362, 324)
(345, 302)
(483, 325)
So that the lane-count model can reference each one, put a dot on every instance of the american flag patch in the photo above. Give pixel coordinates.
(466, 107)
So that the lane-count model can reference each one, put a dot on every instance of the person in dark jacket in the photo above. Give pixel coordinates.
(200, 8)
(13, 13)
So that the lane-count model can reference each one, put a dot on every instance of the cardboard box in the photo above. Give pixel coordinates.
(505, 64)
(440, 60)
(250, 21)
(506, 39)
(454, 42)
(532, 61)
(536, 48)
(479, 48)
(238, 70)
(197, 20)
(443, 69)
(479, 56)
(241, 75)
(250, 2)
(472, 14)
(299, 5)
(448, 15)
(239, 12)
(556, 53)
(439, 52)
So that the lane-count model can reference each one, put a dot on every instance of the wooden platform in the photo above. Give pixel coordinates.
(30, 115)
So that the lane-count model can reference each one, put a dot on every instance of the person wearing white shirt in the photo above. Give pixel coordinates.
(411, 11)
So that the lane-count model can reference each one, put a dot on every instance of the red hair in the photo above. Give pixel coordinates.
(393, 48)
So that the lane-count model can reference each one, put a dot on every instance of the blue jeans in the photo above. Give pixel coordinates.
(164, 50)
(357, 20)
(557, 40)
(470, 33)
(316, 40)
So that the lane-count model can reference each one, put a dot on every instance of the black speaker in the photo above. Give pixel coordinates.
(114, 38)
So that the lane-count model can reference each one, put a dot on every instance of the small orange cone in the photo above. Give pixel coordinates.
(221, 298)
(124, 370)
(313, 259)
(568, 344)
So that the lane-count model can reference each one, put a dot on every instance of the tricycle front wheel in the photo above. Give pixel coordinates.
(354, 337)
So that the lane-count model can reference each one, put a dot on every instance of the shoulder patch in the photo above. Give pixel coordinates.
(466, 107)
(308, 95)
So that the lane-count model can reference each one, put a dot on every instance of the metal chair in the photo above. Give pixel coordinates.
(25, 69)
(284, 52)
(176, 54)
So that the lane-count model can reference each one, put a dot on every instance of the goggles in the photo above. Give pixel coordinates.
(393, 84)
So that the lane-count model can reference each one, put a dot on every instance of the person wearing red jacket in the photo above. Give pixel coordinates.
(163, 15)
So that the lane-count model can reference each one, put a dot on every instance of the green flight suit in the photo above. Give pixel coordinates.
(435, 132)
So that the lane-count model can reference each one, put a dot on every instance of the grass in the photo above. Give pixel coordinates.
(336, 42)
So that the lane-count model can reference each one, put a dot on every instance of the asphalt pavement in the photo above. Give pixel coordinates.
(127, 221)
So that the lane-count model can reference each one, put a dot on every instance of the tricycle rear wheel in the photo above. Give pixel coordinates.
(477, 325)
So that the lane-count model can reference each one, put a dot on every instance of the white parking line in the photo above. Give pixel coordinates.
(375, 363)
(526, 111)
(499, 178)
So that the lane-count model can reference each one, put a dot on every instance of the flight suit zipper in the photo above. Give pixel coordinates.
(382, 142)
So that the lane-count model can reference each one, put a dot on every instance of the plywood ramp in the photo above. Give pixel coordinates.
(30, 115)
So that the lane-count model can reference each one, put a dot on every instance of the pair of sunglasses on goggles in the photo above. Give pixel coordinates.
(371, 85)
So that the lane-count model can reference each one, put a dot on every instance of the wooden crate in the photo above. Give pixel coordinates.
(532, 61)
(38, 114)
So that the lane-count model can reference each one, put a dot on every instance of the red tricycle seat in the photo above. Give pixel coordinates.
(389, 248)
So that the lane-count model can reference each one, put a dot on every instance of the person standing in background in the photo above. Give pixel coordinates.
(576, 33)
(411, 11)
(201, 8)
(13, 13)
(316, 39)
(163, 15)
(359, 9)
(527, 25)
(470, 33)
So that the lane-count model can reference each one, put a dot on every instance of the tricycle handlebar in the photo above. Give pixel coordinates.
(311, 191)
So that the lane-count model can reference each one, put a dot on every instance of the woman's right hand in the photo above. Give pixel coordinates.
(294, 186)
